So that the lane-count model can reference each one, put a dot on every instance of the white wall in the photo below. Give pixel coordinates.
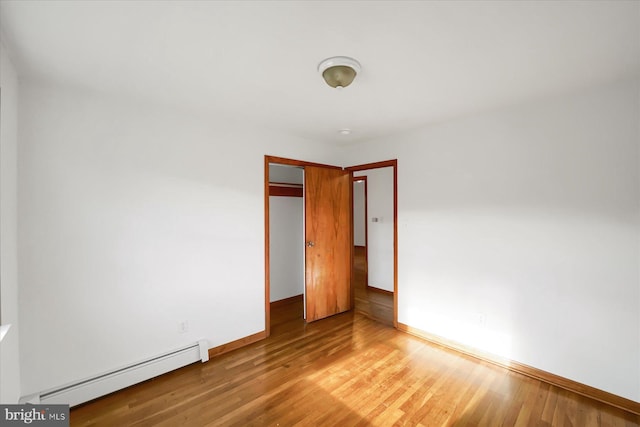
(286, 174)
(380, 206)
(359, 230)
(9, 347)
(286, 247)
(518, 232)
(134, 217)
(286, 236)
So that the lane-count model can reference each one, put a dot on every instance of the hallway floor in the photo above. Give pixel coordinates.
(373, 303)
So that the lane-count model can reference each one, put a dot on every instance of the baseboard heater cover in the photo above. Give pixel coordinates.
(91, 388)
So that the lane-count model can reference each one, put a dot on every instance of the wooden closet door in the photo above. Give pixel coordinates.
(328, 242)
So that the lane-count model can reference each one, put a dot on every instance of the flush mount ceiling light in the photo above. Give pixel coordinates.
(339, 71)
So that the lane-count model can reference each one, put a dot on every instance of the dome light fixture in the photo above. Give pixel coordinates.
(339, 71)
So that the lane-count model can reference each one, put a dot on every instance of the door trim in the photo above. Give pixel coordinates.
(377, 165)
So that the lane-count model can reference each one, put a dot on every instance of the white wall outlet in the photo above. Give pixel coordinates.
(481, 319)
(183, 327)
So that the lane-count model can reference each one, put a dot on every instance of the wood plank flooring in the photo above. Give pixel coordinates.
(376, 305)
(346, 370)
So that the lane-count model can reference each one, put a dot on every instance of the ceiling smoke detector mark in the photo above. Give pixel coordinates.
(345, 132)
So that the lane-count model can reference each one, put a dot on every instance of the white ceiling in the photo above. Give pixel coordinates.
(256, 61)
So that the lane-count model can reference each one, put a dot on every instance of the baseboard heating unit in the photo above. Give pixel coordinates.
(100, 385)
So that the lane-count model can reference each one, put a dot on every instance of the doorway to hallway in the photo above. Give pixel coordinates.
(375, 230)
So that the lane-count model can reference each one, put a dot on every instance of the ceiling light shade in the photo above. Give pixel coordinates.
(339, 71)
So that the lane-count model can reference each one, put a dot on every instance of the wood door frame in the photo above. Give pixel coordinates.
(355, 179)
(267, 285)
(377, 165)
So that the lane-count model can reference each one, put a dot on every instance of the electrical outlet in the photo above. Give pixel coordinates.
(482, 320)
(183, 327)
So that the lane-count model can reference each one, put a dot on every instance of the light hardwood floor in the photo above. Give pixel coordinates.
(376, 305)
(346, 370)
